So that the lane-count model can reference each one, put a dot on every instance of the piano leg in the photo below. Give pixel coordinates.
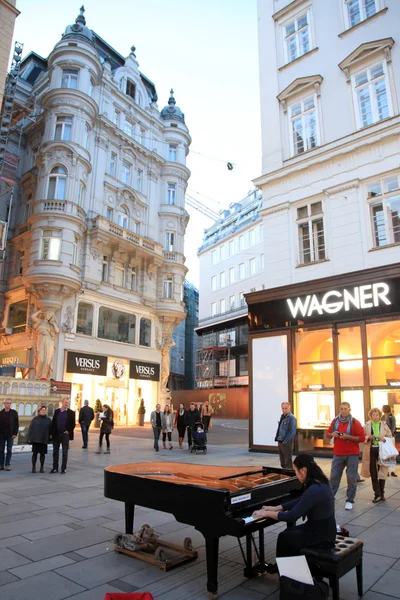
(129, 516)
(212, 545)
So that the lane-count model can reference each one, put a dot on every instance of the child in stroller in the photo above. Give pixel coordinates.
(199, 438)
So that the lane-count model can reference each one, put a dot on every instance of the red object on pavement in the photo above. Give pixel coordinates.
(136, 596)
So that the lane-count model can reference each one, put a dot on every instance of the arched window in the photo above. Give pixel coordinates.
(57, 183)
(50, 410)
(21, 410)
(123, 217)
(145, 332)
(28, 410)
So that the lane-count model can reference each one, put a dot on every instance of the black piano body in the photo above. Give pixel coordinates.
(210, 498)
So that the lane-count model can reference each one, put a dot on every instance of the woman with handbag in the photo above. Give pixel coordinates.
(167, 426)
(375, 431)
(390, 421)
(106, 427)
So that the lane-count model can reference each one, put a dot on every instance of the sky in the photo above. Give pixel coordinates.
(207, 52)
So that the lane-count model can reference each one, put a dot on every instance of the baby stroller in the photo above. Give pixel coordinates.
(199, 438)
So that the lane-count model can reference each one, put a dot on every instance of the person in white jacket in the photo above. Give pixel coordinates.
(167, 425)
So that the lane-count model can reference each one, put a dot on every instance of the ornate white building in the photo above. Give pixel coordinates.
(97, 232)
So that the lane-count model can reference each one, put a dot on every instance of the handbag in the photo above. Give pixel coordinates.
(387, 450)
(294, 590)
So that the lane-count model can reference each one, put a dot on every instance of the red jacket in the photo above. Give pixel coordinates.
(342, 447)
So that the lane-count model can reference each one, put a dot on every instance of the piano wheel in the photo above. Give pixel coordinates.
(187, 544)
(160, 555)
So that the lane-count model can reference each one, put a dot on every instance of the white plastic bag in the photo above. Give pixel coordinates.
(387, 450)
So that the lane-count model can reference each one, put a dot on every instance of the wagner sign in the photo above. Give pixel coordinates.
(142, 370)
(90, 364)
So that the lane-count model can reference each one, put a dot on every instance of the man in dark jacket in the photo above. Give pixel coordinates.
(62, 431)
(86, 416)
(9, 426)
(191, 417)
(285, 435)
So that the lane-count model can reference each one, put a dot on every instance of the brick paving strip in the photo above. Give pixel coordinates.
(56, 531)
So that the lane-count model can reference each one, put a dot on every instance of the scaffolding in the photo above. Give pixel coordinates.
(212, 368)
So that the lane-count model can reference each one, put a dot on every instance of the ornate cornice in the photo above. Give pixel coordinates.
(337, 189)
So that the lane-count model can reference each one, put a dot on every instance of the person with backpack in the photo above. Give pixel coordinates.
(390, 421)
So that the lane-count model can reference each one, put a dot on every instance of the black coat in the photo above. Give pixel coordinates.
(70, 423)
(86, 415)
(107, 424)
(192, 417)
(14, 422)
(39, 430)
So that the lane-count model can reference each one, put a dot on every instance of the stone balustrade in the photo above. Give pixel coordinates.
(59, 207)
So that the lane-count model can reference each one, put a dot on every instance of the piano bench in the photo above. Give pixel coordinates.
(335, 562)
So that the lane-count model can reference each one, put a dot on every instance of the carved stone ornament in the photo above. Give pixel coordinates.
(68, 320)
(46, 331)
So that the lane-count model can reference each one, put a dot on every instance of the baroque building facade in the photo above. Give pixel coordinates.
(8, 14)
(95, 262)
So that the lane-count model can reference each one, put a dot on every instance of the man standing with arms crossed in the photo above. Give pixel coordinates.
(347, 434)
(285, 435)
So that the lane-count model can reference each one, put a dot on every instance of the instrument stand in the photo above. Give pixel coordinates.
(250, 569)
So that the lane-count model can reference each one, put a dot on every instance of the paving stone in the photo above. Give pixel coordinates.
(6, 577)
(41, 566)
(101, 569)
(75, 526)
(16, 508)
(46, 533)
(20, 527)
(243, 593)
(74, 556)
(13, 541)
(99, 510)
(10, 559)
(396, 565)
(374, 567)
(382, 539)
(389, 583)
(370, 595)
(122, 585)
(96, 550)
(96, 593)
(50, 587)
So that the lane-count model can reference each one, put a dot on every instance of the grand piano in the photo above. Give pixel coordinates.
(217, 501)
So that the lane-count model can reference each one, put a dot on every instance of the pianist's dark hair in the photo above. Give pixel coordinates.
(314, 472)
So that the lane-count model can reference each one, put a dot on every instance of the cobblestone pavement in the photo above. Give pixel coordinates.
(56, 532)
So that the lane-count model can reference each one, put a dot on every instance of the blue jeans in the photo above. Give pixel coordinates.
(339, 463)
(85, 434)
(3, 441)
(156, 433)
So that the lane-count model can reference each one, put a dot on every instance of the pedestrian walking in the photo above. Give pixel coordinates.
(285, 434)
(179, 423)
(167, 426)
(192, 416)
(39, 436)
(62, 431)
(9, 425)
(155, 420)
(347, 434)
(390, 420)
(106, 427)
(206, 414)
(375, 431)
(86, 416)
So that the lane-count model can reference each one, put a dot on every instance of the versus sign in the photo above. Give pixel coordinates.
(142, 370)
(86, 363)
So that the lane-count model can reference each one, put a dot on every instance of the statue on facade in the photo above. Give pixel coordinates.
(168, 343)
(46, 331)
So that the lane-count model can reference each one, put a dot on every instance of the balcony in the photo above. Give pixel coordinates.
(65, 207)
(126, 238)
(174, 257)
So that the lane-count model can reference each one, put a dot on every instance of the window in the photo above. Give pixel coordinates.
(69, 78)
(63, 129)
(128, 128)
(297, 38)
(17, 315)
(385, 211)
(117, 117)
(310, 225)
(123, 217)
(222, 305)
(86, 130)
(84, 320)
(168, 287)
(130, 89)
(141, 136)
(169, 241)
(126, 172)
(117, 326)
(252, 237)
(213, 309)
(214, 283)
(145, 332)
(109, 213)
(119, 274)
(231, 248)
(113, 164)
(222, 279)
(262, 262)
(222, 253)
(242, 299)
(172, 152)
(136, 227)
(252, 266)
(243, 365)
(19, 257)
(57, 183)
(171, 193)
(51, 244)
(358, 10)
(213, 257)
(231, 302)
(241, 271)
(104, 268)
(81, 192)
(134, 279)
(232, 275)
(371, 95)
(75, 250)
(90, 87)
(303, 126)
(140, 99)
(241, 243)
(139, 180)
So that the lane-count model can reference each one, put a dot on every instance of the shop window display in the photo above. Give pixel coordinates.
(117, 326)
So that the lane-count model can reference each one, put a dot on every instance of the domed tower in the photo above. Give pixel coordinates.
(57, 222)
(173, 215)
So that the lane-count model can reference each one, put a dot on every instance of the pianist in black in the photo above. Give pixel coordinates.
(316, 503)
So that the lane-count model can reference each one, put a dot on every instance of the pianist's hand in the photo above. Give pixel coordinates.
(272, 508)
(265, 514)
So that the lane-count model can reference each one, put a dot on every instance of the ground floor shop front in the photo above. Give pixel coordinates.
(321, 343)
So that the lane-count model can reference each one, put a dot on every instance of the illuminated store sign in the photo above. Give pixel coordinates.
(360, 298)
(86, 363)
(142, 370)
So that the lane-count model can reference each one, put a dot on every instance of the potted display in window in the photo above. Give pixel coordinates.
(98, 408)
(141, 413)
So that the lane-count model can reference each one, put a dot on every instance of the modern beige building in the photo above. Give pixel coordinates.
(8, 14)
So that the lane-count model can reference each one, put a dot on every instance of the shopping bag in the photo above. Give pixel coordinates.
(294, 590)
(387, 450)
(131, 596)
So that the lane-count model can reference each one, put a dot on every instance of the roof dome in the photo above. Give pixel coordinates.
(172, 112)
(79, 29)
